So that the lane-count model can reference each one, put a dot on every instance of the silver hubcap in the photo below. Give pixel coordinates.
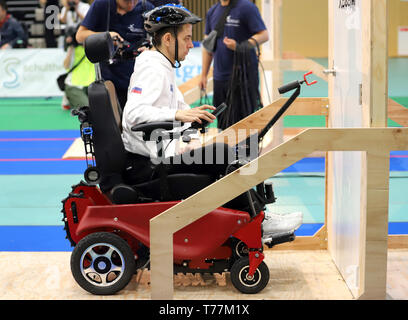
(248, 280)
(102, 264)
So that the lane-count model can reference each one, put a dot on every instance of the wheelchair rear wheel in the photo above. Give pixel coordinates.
(102, 263)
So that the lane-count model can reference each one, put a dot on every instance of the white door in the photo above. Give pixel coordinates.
(346, 112)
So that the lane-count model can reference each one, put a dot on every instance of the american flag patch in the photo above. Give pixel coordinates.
(137, 90)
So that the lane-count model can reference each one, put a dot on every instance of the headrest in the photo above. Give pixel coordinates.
(99, 47)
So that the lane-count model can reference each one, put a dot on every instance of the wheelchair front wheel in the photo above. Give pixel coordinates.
(245, 283)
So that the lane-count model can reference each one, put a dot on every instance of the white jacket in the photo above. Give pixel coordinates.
(153, 96)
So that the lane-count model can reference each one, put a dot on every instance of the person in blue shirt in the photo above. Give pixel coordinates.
(244, 23)
(125, 19)
(11, 31)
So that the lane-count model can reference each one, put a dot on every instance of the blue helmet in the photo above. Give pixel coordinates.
(169, 15)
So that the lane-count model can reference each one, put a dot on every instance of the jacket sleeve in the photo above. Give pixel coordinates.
(19, 33)
(143, 105)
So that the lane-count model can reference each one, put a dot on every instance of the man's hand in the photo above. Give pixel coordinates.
(203, 82)
(196, 114)
(5, 46)
(230, 43)
(69, 40)
(141, 49)
(115, 36)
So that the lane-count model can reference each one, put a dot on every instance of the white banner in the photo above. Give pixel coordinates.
(30, 72)
(34, 72)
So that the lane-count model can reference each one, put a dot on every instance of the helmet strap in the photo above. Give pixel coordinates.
(177, 63)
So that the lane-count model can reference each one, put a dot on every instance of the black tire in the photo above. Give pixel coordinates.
(92, 176)
(109, 269)
(245, 285)
(239, 249)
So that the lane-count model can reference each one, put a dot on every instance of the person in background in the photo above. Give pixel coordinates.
(244, 23)
(77, 82)
(12, 34)
(125, 18)
(72, 14)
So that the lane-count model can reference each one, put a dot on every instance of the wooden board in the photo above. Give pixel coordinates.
(374, 199)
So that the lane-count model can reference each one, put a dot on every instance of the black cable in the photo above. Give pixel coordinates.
(164, 151)
(243, 96)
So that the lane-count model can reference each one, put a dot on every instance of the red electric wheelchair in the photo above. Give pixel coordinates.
(109, 229)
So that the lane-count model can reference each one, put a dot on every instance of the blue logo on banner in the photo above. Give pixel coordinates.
(11, 73)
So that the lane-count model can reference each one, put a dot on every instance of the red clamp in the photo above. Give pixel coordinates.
(255, 259)
(307, 82)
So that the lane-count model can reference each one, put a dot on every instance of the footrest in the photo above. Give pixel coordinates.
(278, 239)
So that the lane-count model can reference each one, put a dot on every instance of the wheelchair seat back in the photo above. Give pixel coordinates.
(110, 154)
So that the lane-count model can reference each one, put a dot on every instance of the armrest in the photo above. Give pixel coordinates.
(151, 126)
(148, 128)
(165, 126)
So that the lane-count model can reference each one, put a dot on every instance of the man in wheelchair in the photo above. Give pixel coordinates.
(153, 96)
(141, 172)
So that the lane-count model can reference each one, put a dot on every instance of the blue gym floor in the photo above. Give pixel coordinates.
(35, 178)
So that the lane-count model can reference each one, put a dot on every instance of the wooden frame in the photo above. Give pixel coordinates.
(376, 142)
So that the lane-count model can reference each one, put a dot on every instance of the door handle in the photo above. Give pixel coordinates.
(330, 71)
